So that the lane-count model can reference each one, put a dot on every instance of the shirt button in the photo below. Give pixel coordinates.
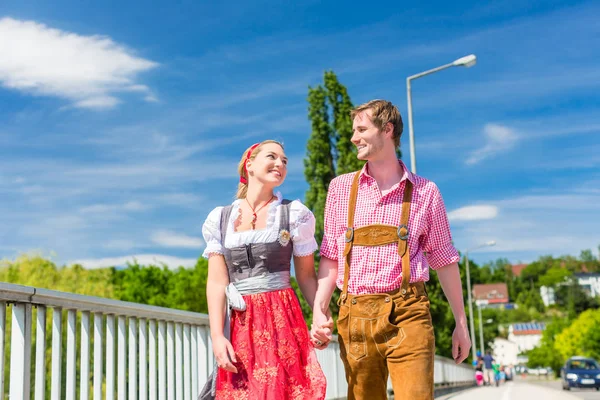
(387, 299)
(353, 301)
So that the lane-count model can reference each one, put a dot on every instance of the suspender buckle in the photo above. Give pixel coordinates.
(349, 235)
(400, 233)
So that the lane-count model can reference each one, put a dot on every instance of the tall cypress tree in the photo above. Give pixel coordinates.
(329, 149)
(318, 164)
(341, 105)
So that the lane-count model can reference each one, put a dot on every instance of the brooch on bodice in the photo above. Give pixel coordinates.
(284, 237)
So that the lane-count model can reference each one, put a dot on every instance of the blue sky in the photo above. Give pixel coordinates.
(121, 124)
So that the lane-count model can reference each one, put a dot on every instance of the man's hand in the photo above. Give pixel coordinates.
(322, 329)
(461, 343)
(224, 354)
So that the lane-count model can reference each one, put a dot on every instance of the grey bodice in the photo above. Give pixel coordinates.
(259, 258)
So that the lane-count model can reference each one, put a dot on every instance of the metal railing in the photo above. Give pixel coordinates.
(130, 350)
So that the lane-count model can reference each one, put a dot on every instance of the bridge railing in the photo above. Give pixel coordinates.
(107, 348)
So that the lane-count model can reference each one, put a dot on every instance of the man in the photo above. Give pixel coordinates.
(489, 373)
(384, 227)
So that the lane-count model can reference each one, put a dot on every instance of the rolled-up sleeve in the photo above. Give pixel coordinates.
(211, 231)
(437, 243)
(329, 246)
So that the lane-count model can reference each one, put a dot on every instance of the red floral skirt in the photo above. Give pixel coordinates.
(275, 358)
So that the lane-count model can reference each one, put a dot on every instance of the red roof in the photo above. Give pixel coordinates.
(517, 269)
(492, 292)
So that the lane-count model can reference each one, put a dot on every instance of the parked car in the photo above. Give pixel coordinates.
(580, 372)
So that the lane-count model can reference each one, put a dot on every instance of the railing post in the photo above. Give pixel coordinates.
(56, 354)
(170, 361)
(20, 352)
(194, 353)
(121, 359)
(203, 357)
(143, 362)
(84, 370)
(40, 354)
(162, 360)
(71, 359)
(187, 390)
(98, 356)
(152, 358)
(2, 342)
(132, 345)
(110, 357)
(178, 362)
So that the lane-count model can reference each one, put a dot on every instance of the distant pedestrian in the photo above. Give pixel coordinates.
(488, 368)
(479, 371)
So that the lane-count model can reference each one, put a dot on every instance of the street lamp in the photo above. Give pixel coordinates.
(488, 321)
(467, 61)
(471, 323)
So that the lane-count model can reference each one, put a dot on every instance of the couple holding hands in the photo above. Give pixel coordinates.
(384, 227)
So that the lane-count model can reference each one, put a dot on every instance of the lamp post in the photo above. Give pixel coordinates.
(467, 61)
(471, 321)
(488, 321)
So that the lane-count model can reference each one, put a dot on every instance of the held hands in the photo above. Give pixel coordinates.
(461, 343)
(322, 329)
(224, 354)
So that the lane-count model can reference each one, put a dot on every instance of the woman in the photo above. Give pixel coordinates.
(249, 245)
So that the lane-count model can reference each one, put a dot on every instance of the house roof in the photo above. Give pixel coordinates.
(529, 328)
(492, 292)
(517, 269)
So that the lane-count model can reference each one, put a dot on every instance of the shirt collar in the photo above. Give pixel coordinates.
(405, 175)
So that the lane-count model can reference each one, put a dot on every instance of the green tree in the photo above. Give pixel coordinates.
(340, 106)
(545, 355)
(318, 165)
(577, 338)
(587, 257)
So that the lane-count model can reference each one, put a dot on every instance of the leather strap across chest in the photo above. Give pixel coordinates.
(378, 234)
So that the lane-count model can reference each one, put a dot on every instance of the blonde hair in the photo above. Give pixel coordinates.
(243, 187)
(383, 112)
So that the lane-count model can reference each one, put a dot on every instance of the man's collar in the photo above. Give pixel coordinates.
(406, 174)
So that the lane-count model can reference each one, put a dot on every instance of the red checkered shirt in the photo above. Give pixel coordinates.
(378, 269)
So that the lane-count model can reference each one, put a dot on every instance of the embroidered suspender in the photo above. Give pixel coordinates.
(378, 235)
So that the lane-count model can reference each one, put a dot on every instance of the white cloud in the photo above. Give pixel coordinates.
(87, 70)
(173, 239)
(498, 139)
(142, 259)
(473, 213)
(110, 208)
(535, 224)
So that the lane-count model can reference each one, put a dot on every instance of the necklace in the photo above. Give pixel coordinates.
(254, 212)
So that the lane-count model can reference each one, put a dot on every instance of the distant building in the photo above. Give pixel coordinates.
(491, 294)
(505, 351)
(526, 335)
(589, 282)
(548, 296)
(517, 269)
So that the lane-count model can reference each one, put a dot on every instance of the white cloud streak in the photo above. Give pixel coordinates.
(473, 213)
(142, 259)
(174, 239)
(89, 71)
(498, 139)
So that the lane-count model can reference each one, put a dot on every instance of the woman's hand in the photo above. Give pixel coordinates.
(224, 354)
(322, 329)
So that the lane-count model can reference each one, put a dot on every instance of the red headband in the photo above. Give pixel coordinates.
(254, 146)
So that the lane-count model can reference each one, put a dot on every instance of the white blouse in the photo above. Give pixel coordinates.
(302, 229)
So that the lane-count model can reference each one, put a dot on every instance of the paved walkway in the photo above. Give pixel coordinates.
(511, 391)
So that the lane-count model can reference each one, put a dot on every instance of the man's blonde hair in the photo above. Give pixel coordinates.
(383, 112)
